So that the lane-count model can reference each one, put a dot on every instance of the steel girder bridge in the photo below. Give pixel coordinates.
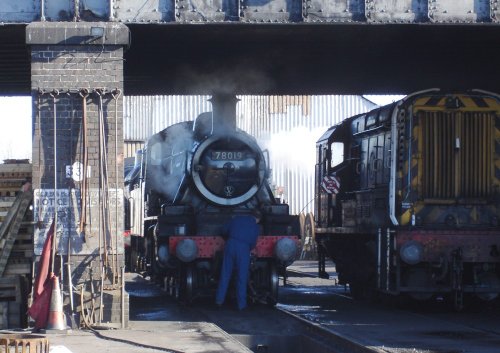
(277, 46)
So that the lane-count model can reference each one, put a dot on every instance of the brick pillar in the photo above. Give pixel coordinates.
(77, 67)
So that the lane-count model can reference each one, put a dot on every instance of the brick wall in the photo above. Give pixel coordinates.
(66, 64)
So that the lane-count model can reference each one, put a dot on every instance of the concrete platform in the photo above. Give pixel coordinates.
(310, 267)
(159, 326)
(150, 336)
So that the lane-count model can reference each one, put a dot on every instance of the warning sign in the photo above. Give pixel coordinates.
(67, 203)
(331, 184)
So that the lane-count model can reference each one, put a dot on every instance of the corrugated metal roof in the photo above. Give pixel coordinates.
(288, 126)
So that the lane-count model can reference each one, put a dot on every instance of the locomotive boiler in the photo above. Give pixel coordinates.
(187, 183)
(408, 197)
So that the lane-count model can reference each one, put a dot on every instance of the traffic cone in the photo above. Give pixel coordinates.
(56, 317)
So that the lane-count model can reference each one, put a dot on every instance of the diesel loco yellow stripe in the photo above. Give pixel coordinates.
(469, 105)
(405, 218)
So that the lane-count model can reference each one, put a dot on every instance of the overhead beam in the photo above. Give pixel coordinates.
(253, 11)
(310, 59)
(288, 59)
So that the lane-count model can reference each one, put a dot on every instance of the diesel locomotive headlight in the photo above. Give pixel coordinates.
(285, 250)
(416, 220)
(411, 252)
(186, 250)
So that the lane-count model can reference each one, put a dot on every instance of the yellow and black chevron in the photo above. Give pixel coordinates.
(450, 171)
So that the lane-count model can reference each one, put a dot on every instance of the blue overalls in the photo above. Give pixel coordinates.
(243, 232)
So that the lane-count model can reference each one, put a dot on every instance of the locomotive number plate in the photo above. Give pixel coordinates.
(227, 155)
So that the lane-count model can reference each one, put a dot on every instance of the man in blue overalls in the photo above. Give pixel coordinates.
(242, 237)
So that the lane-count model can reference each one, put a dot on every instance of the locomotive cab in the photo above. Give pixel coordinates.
(352, 181)
(334, 169)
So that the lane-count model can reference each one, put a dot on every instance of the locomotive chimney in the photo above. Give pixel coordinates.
(224, 111)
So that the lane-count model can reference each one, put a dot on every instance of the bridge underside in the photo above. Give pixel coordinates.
(289, 58)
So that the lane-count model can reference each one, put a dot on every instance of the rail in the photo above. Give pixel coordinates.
(337, 341)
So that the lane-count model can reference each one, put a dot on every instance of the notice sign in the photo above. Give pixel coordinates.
(68, 235)
(331, 184)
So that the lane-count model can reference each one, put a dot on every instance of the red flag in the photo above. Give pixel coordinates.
(39, 310)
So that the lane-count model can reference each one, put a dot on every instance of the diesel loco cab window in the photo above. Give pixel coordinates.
(337, 154)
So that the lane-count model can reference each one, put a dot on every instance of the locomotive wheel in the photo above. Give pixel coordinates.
(133, 260)
(272, 298)
(176, 288)
(150, 256)
(302, 221)
(358, 290)
(170, 285)
(309, 251)
(488, 280)
(309, 226)
(187, 280)
(418, 277)
(362, 290)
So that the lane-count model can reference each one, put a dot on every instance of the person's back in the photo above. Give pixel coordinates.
(243, 232)
(244, 229)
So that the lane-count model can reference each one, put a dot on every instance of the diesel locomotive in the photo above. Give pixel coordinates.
(408, 197)
(187, 183)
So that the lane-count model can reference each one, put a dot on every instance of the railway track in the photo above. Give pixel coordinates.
(389, 326)
(334, 341)
(260, 328)
(316, 315)
(278, 330)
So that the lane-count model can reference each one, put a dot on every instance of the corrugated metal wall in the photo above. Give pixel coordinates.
(147, 115)
(287, 126)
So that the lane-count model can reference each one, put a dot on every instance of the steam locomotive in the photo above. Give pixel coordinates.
(187, 183)
(408, 197)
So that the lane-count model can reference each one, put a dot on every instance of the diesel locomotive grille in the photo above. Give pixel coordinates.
(457, 153)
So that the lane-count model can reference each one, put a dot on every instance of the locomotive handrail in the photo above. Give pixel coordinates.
(392, 179)
(151, 218)
(375, 164)
(131, 210)
(364, 190)
(493, 94)
(358, 167)
(370, 130)
(265, 153)
(410, 149)
(181, 184)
